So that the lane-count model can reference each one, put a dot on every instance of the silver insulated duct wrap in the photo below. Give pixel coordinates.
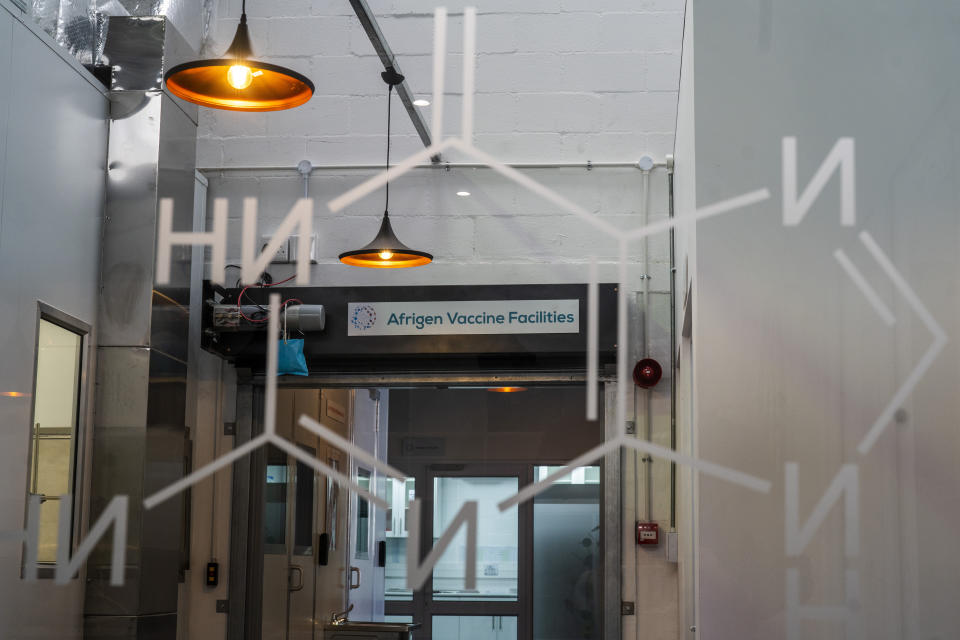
(80, 26)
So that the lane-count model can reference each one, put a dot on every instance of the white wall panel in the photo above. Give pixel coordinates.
(792, 362)
(53, 133)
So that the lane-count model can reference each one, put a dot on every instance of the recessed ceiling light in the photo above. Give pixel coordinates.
(463, 194)
(420, 102)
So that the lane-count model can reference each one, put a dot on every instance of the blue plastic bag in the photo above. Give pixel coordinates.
(290, 360)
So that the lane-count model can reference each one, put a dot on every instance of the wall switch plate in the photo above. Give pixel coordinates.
(627, 609)
(673, 546)
(282, 255)
(223, 606)
(293, 246)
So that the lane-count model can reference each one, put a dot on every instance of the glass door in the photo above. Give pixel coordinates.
(496, 608)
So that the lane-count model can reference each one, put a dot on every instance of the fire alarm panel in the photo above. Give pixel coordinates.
(648, 533)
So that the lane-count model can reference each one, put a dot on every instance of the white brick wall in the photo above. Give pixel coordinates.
(571, 80)
(569, 67)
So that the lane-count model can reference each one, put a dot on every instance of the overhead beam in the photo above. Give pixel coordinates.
(382, 47)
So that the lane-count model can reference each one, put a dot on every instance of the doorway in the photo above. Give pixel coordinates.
(540, 565)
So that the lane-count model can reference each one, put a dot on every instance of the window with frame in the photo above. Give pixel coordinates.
(53, 441)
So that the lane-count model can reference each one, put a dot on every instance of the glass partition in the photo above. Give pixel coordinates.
(275, 502)
(399, 494)
(567, 557)
(497, 539)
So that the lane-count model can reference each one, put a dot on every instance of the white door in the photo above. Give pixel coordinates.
(290, 525)
(367, 523)
(288, 550)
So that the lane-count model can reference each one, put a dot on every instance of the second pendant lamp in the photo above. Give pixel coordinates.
(386, 251)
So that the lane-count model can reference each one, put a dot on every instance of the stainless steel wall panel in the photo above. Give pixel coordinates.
(144, 335)
(118, 460)
(121, 387)
(175, 180)
(165, 444)
(128, 251)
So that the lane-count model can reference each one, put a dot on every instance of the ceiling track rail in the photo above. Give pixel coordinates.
(382, 47)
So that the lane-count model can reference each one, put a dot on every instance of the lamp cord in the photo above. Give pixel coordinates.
(386, 207)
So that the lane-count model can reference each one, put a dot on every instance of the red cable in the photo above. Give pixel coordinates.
(272, 284)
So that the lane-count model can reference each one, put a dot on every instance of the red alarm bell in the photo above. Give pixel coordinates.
(647, 373)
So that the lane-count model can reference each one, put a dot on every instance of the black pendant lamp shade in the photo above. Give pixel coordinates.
(386, 251)
(236, 82)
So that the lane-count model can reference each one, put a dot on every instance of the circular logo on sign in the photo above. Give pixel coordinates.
(364, 317)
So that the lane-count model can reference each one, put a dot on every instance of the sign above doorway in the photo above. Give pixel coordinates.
(462, 317)
(464, 328)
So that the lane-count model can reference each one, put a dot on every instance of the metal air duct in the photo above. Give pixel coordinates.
(140, 435)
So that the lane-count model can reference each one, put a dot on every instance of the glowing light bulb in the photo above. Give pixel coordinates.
(239, 76)
(385, 255)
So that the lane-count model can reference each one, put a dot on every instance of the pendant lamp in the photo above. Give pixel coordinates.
(236, 82)
(385, 251)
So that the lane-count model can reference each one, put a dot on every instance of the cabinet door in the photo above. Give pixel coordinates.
(506, 628)
(478, 628)
(467, 627)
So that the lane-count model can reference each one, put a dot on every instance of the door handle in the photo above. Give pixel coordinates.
(299, 585)
(355, 571)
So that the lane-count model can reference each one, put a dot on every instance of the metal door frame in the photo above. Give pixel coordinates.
(425, 607)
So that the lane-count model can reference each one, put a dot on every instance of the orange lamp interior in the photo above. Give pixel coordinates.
(375, 260)
(272, 88)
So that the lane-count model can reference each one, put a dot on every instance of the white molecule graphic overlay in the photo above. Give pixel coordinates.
(845, 484)
(904, 288)
(464, 144)
(269, 436)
